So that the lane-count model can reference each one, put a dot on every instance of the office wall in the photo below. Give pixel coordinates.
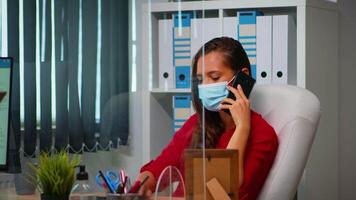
(322, 79)
(347, 100)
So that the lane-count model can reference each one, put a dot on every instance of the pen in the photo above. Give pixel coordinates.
(106, 181)
(143, 182)
(125, 183)
(138, 184)
(122, 175)
(121, 188)
(128, 185)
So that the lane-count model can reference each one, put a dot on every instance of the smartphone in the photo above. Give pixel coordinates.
(245, 81)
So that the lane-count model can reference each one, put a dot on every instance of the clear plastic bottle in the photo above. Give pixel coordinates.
(82, 189)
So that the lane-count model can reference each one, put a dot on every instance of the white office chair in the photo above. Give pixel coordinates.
(294, 113)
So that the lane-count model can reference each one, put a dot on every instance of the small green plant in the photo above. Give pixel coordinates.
(54, 174)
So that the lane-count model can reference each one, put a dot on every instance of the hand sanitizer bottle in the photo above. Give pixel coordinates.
(81, 189)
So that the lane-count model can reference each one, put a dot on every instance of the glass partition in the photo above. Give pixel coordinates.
(182, 132)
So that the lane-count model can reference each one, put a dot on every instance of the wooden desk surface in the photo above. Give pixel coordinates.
(10, 194)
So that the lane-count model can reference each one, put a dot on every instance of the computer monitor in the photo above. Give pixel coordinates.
(5, 105)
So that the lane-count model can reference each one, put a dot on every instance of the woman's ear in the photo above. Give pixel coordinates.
(245, 70)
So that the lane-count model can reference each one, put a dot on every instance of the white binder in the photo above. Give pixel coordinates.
(203, 30)
(264, 50)
(230, 27)
(284, 42)
(166, 69)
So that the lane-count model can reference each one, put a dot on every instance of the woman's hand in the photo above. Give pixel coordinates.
(147, 188)
(239, 108)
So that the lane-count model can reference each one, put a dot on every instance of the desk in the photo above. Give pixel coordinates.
(10, 194)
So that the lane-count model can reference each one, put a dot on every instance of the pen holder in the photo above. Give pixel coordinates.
(129, 196)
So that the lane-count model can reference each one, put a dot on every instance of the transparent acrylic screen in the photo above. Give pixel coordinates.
(176, 31)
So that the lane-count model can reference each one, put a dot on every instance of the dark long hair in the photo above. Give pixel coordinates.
(234, 56)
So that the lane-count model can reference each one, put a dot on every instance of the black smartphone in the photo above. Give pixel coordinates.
(245, 81)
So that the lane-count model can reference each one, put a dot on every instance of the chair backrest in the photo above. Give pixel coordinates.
(294, 113)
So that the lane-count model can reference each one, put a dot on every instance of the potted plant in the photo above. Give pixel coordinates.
(54, 175)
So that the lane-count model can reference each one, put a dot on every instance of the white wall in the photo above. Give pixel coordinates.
(347, 102)
(321, 182)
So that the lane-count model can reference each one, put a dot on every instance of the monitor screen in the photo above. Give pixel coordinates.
(5, 100)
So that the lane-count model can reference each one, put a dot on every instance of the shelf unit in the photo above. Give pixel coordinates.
(315, 69)
(171, 90)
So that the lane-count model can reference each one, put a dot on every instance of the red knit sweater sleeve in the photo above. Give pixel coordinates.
(259, 157)
(172, 154)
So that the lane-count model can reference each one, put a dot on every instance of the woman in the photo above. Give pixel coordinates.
(242, 129)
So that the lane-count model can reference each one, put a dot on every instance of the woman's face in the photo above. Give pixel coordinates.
(215, 70)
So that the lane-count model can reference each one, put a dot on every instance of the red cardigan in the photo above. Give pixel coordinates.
(260, 152)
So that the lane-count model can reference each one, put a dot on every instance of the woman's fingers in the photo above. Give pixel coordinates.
(228, 101)
(148, 193)
(239, 93)
(241, 101)
(141, 191)
(225, 106)
(234, 91)
(144, 191)
(236, 104)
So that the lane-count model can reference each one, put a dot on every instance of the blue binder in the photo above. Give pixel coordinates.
(181, 49)
(246, 34)
(182, 76)
(181, 110)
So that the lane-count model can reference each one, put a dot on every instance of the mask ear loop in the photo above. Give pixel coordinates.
(233, 78)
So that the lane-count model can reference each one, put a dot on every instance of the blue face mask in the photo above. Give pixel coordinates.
(212, 94)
